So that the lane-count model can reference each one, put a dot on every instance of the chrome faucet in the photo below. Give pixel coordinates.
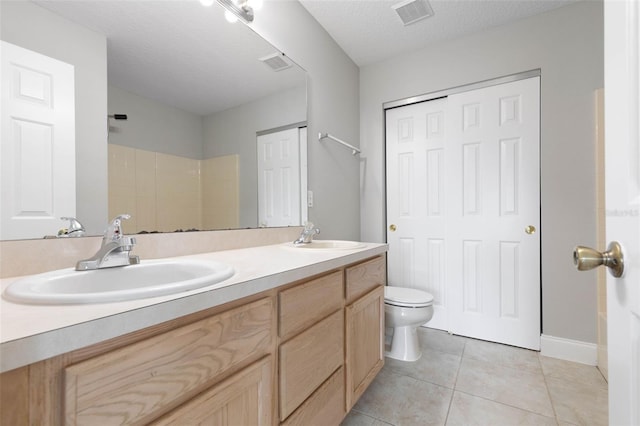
(75, 228)
(306, 236)
(114, 250)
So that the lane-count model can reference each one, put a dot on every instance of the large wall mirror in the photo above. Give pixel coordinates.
(207, 104)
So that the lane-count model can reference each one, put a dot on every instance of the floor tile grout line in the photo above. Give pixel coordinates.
(455, 383)
(574, 380)
(508, 405)
(546, 386)
(370, 416)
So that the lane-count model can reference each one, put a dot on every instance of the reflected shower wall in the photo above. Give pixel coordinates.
(166, 193)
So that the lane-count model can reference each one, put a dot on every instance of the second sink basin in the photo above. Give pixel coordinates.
(148, 279)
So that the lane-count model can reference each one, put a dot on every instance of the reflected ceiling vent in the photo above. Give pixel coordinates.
(411, 11)
(276, 61)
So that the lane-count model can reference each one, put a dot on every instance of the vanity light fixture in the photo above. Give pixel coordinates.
(238, 9)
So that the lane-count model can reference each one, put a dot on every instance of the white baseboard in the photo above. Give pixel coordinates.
(569, 350)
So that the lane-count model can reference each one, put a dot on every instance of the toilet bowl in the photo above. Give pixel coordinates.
(404, 310)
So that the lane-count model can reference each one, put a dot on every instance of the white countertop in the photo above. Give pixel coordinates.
(32, 333)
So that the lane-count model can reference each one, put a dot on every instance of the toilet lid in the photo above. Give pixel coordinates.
(407, 297)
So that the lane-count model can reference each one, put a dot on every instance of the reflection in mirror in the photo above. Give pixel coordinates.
(197, 93)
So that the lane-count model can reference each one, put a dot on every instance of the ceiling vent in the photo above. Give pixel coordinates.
(276, 61)
(411, 11)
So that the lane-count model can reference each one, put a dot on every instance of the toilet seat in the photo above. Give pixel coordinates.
(407, 297)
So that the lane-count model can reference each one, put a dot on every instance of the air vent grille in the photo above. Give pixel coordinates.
(411, 11)
(276, 61)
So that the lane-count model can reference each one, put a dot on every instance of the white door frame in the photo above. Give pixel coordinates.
(622, 188)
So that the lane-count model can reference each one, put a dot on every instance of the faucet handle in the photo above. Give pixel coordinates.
(114, 230)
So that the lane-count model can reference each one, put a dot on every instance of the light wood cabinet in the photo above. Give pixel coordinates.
(300, 354)
(136, 383)
(243, 399)
(305, 304)
(324, 407)
(364, 322)
(364, 277)
(365, 343)
(308, 359)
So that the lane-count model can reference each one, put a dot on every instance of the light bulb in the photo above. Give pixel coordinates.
(230, 17)
(207, 3)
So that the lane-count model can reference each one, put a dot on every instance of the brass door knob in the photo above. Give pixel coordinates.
(586, 258)
(530, 229)
(392, 228)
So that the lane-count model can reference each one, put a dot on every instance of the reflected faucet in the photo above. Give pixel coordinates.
(75, 229)
(306, 236)
(115, 249)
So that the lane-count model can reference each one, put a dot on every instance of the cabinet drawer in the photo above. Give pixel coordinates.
(308, 359)
(306, 304)
(243, 399)
(325, 407)
(363, 278)
(136, 383)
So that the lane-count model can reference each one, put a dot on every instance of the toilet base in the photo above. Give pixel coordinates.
(404, 344)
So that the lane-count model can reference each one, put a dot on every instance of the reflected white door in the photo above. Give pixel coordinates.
(279, 170)
(38, 143)
(493, 216)
(416, 207)
(622, 186)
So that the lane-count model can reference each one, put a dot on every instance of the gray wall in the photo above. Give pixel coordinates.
(153, 126)
(568, 46)
(333, 107)
(34, 28)
(234, 132)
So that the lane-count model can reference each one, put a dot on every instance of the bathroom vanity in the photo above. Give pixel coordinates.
(295, 339)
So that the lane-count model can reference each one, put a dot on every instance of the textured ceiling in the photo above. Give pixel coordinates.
(179, 52)
(370, 31)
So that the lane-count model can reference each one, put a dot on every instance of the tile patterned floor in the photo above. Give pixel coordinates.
(461, 381)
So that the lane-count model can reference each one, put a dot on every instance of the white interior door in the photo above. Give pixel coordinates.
(493, 192)
(622, 186)
(416, 207)
(38, 143)
(279, 201)
(463, 209)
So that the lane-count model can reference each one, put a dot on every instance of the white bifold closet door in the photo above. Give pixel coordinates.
(416, 209)
(467, 188)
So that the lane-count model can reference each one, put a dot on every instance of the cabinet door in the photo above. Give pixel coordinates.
(243, 399)
(364, 342)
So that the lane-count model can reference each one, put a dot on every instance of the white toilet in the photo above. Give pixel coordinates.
(405, 309)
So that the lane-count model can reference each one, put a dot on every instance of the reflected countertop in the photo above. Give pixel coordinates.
(31, 333)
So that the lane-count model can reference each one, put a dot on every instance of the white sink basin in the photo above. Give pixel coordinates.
(331, 245)
(148, 279)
